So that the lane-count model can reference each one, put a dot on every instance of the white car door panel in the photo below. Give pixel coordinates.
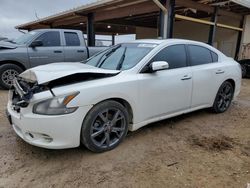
(164, 92)
(207, 75)
(204, 81)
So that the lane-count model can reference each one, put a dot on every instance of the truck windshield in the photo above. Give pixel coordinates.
(24, 38)
(121, 57)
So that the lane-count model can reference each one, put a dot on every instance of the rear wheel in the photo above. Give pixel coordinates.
(244, 71)
(105, 126)
(8, 72)
(223, 98)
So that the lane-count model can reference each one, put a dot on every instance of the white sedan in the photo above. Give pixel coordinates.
(122, 88)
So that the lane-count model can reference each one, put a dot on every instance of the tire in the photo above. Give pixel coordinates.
(244, 71)
(100, 132)
(223, 98)
(7, 74)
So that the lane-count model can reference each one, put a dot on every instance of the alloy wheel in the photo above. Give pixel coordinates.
(108, 128)
(225, 97)
(8, 76)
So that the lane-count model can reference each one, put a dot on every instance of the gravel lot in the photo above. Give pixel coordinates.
(200, 149)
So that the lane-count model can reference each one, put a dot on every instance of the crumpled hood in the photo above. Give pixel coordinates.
(46, 73)
(7, 45)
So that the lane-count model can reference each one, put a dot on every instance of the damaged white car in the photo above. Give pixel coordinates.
(122, 88)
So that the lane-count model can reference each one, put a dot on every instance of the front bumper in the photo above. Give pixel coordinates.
(52, 132)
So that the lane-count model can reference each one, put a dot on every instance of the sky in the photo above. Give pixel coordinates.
(16, 12)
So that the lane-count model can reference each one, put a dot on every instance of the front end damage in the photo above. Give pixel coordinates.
(22, 92)
(29, 83)
(40, 121)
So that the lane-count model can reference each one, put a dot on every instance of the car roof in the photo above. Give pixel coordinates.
(161, 41)
(73, 30)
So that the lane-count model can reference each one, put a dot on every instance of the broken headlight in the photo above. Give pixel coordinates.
(55, 106)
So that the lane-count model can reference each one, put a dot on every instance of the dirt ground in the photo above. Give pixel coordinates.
(200, 149)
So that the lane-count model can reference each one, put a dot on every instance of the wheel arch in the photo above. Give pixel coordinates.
(13, 62)
(231, 81)
(124, 103)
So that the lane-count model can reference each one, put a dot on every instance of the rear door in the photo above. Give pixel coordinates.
(50, 52)
(207, 73)
(73, 50)
(168, 91)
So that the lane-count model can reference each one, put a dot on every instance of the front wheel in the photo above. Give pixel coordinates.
(105, 126)
(8, 72)
(223, 98)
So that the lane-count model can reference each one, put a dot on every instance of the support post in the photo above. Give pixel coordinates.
(236, 56)
(91, 30)
(166, 19)
(113, 39)
(163, 21)
(212, 30)
(171, 18)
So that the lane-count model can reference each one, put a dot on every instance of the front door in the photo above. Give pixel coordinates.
(50, 52)
(168, 91)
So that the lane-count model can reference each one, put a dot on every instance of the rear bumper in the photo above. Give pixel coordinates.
(52, 132)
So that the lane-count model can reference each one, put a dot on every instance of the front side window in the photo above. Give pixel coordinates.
(175, 56)
(199, 55)
(121, 57)
(71, 39)
(51, 38)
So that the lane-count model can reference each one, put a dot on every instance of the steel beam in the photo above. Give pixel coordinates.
(91, 30)
(113, 39)
(171, 18)
(236, 57)
(212, 30)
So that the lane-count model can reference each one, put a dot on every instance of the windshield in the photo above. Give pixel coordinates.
(121, 57)
(25, 38)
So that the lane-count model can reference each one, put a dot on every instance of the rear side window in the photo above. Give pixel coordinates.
(71, 39)
(50, 38)
(175, 56)
(199, 55)
(214, 56)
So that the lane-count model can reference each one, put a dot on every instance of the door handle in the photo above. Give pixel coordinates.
(57, 51)
(220, 72)
(186, 77)
(80, 51)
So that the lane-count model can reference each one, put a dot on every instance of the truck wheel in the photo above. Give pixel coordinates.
(7, 74)
(105, 126)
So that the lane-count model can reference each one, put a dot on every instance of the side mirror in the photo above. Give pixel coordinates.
(36, 43)
(159, 65)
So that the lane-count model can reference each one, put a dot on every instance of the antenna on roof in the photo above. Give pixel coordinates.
(36, 15)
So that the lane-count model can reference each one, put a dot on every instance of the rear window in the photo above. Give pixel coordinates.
(71, 39)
